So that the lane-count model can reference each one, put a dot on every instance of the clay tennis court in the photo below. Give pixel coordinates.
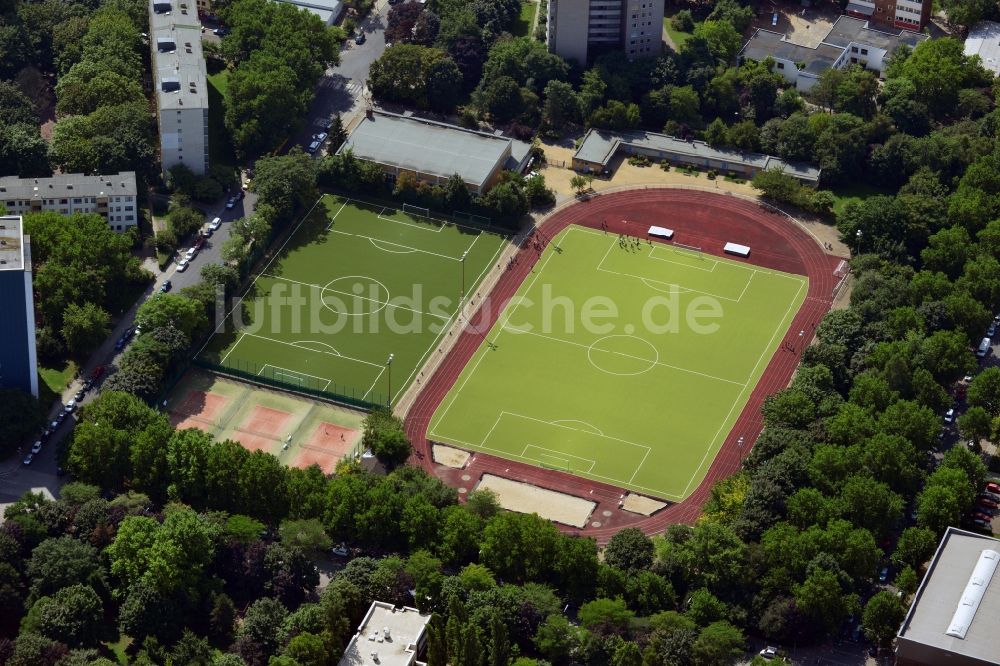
(263, 419)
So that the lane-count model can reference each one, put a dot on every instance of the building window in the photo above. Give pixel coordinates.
(864, 51)
(76, 201)
(63, 201)
(781, 65)
(128, 208)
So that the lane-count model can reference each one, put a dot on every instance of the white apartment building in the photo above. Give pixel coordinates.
(851, 41)
(181, 84)
(113, 197)
(577, 29)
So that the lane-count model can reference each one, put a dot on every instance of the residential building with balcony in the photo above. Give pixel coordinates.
(580, 29)
(114, 197)
(905, 14)
(181, 84)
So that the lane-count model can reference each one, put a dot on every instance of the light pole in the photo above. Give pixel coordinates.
(739, 443)
(388, 367)
(858, 236)
(464, 254)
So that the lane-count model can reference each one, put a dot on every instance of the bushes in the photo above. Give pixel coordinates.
(682, 21)
(779, 186)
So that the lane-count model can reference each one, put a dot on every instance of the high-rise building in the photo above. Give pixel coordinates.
(906, 14)
(18, 361)
(181, 84)
(579, 29)
(113, 196)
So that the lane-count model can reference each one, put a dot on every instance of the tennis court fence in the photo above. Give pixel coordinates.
(270, 376)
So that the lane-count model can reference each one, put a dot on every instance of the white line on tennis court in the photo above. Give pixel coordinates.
(317, 351)
(747, 385)
(285, 372)
(623, 354)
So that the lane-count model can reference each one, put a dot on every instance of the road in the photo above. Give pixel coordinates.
(339, 90)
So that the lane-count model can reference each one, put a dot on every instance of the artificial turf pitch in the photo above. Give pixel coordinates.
(625, 400)
(353, 284)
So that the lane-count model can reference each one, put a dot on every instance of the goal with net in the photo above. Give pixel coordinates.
(692, 249)
(416, 210)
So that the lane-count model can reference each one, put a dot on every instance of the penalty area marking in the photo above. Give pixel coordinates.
(558, 455)
(440, 225)
(304, 344)
(285, 372)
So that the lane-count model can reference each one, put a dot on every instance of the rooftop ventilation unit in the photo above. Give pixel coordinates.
(973, 594)
(170, 85)
(161, 7)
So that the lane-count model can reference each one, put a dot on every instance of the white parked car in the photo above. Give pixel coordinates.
(949, 416)
(36, 447)
(189, 255)
(182, 265)
(215, 224)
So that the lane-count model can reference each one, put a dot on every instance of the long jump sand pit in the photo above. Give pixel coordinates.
(450, 456)
(549, 504)
(641, 504)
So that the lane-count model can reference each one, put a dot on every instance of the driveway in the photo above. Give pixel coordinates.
(339, 90)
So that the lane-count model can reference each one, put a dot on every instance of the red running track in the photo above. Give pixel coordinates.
(698, 218)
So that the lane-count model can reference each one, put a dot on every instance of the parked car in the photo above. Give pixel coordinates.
(70, 407)
(982, 515)
(979, 522)
(992, 330)
(79, 395)
(359, 39)
(321, 137)
(182, 265)
(769, 652)
(166, 286)
(985, 501)
(230, 202)
(36, 447)
(215, 224)
(220, 32)
(27, 459)
(191, 252)
(993, 487)
(313, 147)
(199, 244)
(883, 575)
(340, 550)
(98, 371)
(949, 416)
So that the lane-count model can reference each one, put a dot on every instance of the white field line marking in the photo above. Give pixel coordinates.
(383, 249)
(334, 218)
(557, 425)
(271, 261)
(384, 304)
(317, 351)
(372, 387)
(304, 344)
(440, 226)
(591, 426)
(512, 306)
(507, 455)
(231, 349)
(652, 255)
(623, 354)
(559, 455)
(738, 399)
(408, 247)
(294, 373)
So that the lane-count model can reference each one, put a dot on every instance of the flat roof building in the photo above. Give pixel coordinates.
(387, 636)
(113, 196)
(905, 14)
(18, 359)
(181, 84)
(599, 148)
(984, 41)
(955, 616)
(328, 11)
(850, 41)
(434, 151)
(579, 29)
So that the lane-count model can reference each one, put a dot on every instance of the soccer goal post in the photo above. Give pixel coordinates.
(690, 248)
(416, 210)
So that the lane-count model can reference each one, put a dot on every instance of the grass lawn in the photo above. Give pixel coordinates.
(57, 379)
(676, 36)
(220, 149)
(354, 283)
(858, 192)
(639, 396)
(522, 26)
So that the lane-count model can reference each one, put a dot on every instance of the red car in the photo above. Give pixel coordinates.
(993, 487)
(982, 515)
(985, 501)
(98, 371)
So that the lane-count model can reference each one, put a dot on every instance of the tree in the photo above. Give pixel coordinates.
(556, 639)
(402, 72)
(882, 616)
(262, 621)
(61, 562)
(73, 615)
(720, 37)
(285, 182)
(500, 98)
(561, 106)
(338, 134)
(629, 550)
(606, 616)
(84, 328)
(444, 85)
(400, 22)
(975, 424)
(937, 508)
(984, 391)
(307, 535)
(220, 275)
(820, 596)
(716, 133)
(718, 644)
(171, 310)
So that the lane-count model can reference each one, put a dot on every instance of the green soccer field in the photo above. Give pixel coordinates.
(353, 284)
(623, 365)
